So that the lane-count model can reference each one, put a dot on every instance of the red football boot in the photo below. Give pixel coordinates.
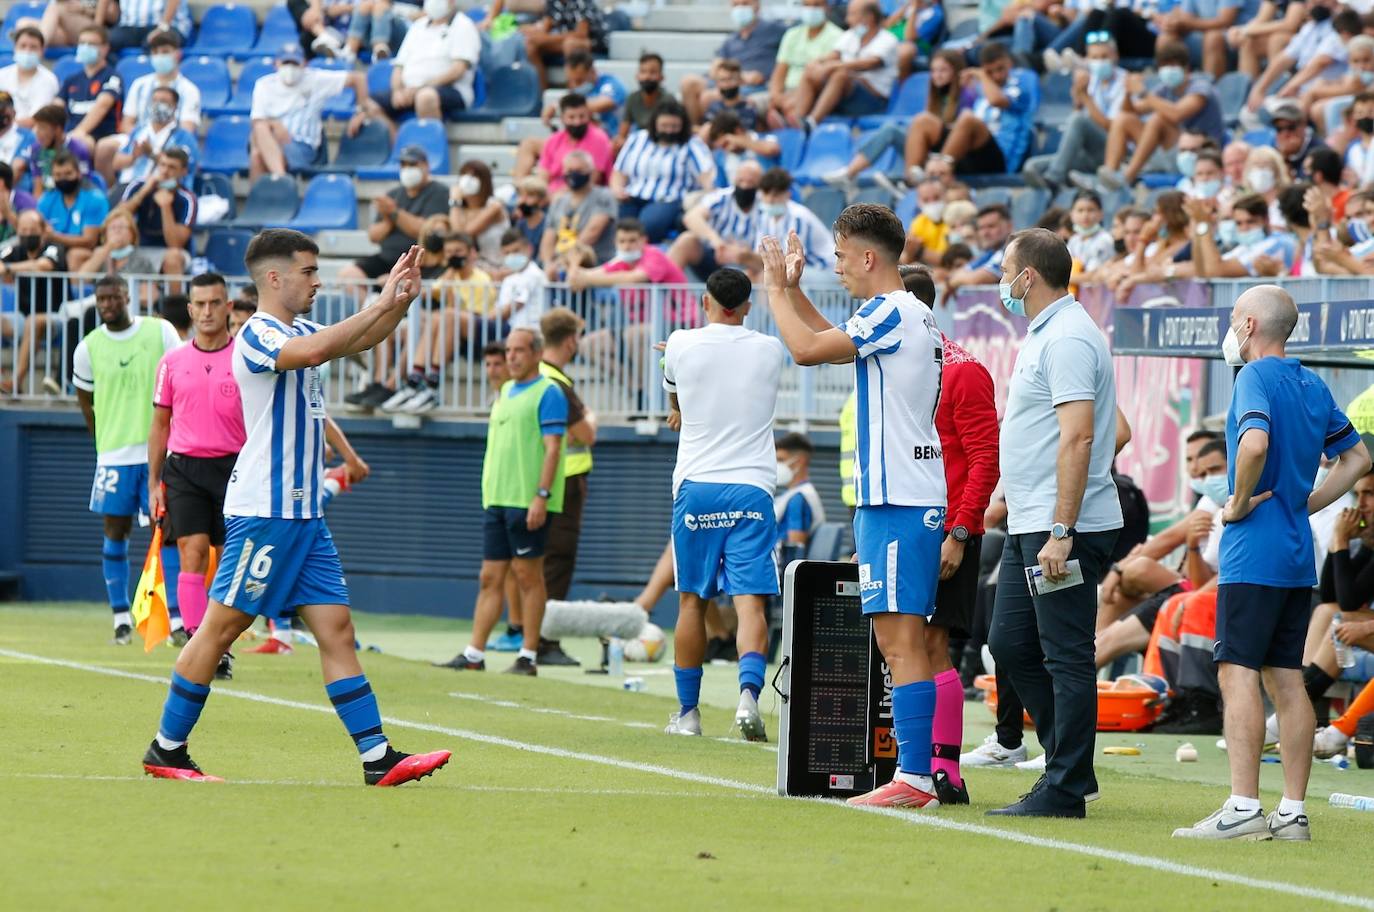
(396, 768)
(161, 763)
(896, 794)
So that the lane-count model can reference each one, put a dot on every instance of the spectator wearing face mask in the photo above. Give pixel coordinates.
(30, 84)
(544, 157)
(1267, 175)
(93, 94)
(74, 212)
(657, 168)
(531, 209)
(729, 81)
(605, 93)
(142, 21)
(580, 216)
(722, 227)
(1317, 51)
(1125, 234)
(1359, 155)
(1099, 90)
(50, 139)
(927, 238)
(1326, 99)
(639, 106)
(165, 211)
(475, 210)
(164, 55)
(1091, 245)
(288, 113)
(780, 215)
(1258, 250)
(22, 259)
(433, 74)
(139, 156)
(810, 40)
(732, 145)
(755, 45)
(1208, 181)
(522, 298)
(854, 79)
(117, 251)
(400, 214)
(994, 228)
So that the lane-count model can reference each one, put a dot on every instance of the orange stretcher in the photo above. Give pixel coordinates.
(1129, 703)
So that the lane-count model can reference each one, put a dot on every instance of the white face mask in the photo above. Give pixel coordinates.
(934, 211)
(785, 474)
(1261, 180)
(290, 73)
(1230, 348)
(436, 9)
(469, 185)
(411, 177)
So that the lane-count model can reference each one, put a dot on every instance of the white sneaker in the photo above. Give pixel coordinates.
(1221, 744)
(1034, 765)
(838, 178)
(1228, 824)
(1053, 62)
(1329, 742)
(422, 402)
(1293, 828)
(399, 398)
(688, 724)
(747, 719)
(882, 180)
(991, 755)
(328, 43)
(1069, 59)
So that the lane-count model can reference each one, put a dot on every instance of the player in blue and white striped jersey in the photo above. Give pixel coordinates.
(278, 554)
(721, 229)
(899, 468)
(658, 167)
(780, 216)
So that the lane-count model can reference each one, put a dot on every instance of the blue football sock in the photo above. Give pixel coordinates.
(115, 563)
(751, 666)
(357, 708)
(913, 711)
(688, 687)
(185, 700)
(171, 569)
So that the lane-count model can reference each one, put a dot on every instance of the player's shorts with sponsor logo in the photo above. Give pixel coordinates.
(723, 540)
(899, 558)
(120, 490)
(505, 535)
(270, 567)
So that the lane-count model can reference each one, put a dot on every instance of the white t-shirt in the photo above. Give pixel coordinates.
(83, 377)
(140, 98)
(299, 107)
(884, 47)
(524, 291)
(726, 381)
(1092, 250)
(29, 97)
(429, 50)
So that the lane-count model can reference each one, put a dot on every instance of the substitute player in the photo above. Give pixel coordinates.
(899, 474)
(114, 369)
(722, 383)
(966, 421)
(278, 553)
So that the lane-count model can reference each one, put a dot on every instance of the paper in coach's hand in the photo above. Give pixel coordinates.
(1035, 579)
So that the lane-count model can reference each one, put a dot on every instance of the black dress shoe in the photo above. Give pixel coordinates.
(551, 653)
(1043, 801)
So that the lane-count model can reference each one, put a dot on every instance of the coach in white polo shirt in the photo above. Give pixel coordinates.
(434, 72)
(1058, 441)
(288, 113)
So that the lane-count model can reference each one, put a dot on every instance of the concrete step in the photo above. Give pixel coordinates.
(687, 18)
(345, 244)
(674, 46)
(499, 158)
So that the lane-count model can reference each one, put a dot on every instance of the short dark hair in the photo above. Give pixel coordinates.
(1210, 155)
(464, 238)
(170, 90)
(1347, 22)
(723, 124)
(1173, 53)
(1254, 204)
(165, 38)
(1291, 206)
(647, 56)
(31, 31)
(795, 443)
(179, 154)
(579, 59)
(874, 223)
(775, 180)
(276, 244)
(992, 52)
(1000, 209)
(729, 288)
(66, 157)
(730, 65)
(1202, 434)
(1089, 195)
(494, 348)
(174, 309)
(670, 107)
(209, 279)
(572, 100)
(1212, 446)
(243, 306)
(917, 279)
(54, 115)
(955, 254)
(632, 225)
(1052, 218)
(513, 236)
(1043, 251)
(110, 280)
(1327, 162)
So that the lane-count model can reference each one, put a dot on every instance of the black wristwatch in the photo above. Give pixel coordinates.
(959, 534)
(544, 493)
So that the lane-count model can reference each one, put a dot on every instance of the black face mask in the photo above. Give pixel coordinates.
(1120, 245)
(730, 94)
(1320, 13)
(578, 131)
(744, 196)
(435, 243)
(31, 242)
(68, 187)
(528, 209)
(1365, 125)
(6, 121)
(457, 262)
(576, 180)
(649, 86)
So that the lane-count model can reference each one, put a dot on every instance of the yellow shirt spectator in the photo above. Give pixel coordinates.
(934, 236)
(474, 294)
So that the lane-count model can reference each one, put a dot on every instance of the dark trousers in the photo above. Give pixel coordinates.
(560, 554)
(1132, 33)
(1045, 644)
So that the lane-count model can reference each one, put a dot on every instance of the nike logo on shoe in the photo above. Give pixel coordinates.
(1224, 827)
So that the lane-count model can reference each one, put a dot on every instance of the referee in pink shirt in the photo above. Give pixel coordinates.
(196, 436)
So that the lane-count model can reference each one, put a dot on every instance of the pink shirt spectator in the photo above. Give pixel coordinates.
(681, 310)
(596, 144)
(199, 387)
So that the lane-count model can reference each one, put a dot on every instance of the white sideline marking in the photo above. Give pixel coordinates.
(913, 818)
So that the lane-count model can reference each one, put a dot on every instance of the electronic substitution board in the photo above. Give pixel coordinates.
(836, 736)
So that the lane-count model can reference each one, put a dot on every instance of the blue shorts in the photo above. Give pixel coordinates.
(270, 567)
(300, 156)
(899, 558)
(505, 535)
(120, 490)
(1261, 626)
(861, 102)
(723, 540)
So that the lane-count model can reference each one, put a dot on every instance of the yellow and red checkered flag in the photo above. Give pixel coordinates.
(150, 601)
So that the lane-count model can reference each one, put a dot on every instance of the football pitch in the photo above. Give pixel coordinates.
(562, 793)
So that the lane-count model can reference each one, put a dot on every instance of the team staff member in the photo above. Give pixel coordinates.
(522, 483)
(114, 370)
(562, 331)
(1057, 446)
(966, 420)
(1281, 422)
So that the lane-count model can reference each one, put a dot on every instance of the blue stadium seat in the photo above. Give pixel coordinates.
(130, 68)
(1158, 180)
(217, 185)
(1008, 181)
(875, 195)
(241, 102)
(379, 76)
(225, 249)
(990, 195)
(1027, 205)
(330, 203)
(1232, 89)
(831, 146)
(428, 133)
(1264, 136)
(1056, 98)
(909, 100)
(966, 29)
(793, 143)
(890, 162)
(369, 149)
(225, 146)
(827, 203)
(511, 92)
(226, 31)
(211, 76)
(19, 11)
(497, 55)
(278, 28)
(271, 201)
(63, 67)
(907, 208)
(1046, 140)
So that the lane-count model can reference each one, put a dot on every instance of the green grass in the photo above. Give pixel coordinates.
(504, 827)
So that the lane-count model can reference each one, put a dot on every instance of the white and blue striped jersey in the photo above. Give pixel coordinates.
(1279, 245)
(1109, 93)
(300, 107)
(817, 240)
(140, 98)
(661, 173)
(280, 470)
(728, 220)
(897, 457)
(148, 13)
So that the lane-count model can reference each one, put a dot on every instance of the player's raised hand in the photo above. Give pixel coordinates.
(774, 263)
(796, 259)
(404, 281)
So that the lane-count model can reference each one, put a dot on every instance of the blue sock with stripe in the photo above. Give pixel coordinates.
(356, 705)
(751, 666)
(185, 700)
(171, 569)
(913, 713)
(688, 687)
(114, 561)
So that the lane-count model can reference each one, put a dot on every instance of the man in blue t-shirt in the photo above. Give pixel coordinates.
(605, 94)
(1281, 422)
(75, 213)
(993, 136)
(94, 94)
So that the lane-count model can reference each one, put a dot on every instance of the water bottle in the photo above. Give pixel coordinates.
(1345, 656)
(1354, 802)
(615, 664)
(1340, 761)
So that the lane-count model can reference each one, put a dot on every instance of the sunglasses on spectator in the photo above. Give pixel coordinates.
(1097, 37)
